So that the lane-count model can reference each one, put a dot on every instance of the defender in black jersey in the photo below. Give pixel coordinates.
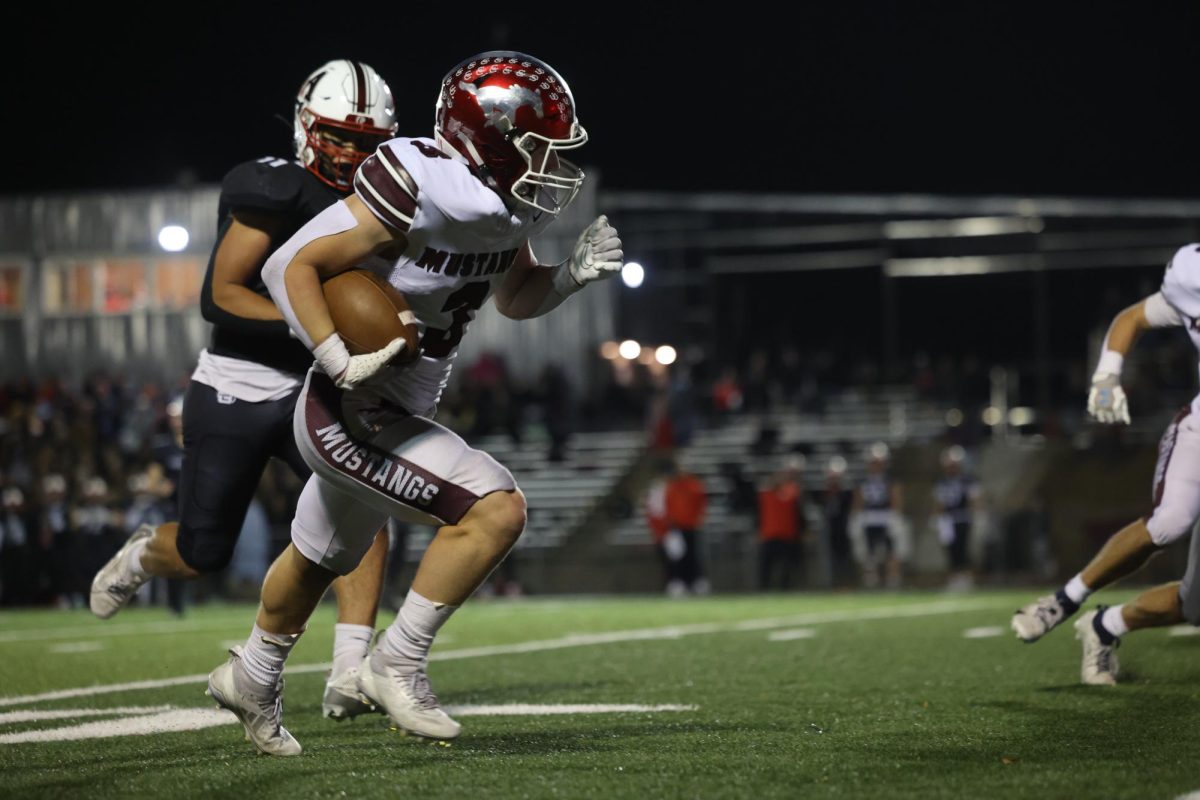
(237, 411)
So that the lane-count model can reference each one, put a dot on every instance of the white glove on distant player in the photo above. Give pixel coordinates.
(349, 371)
(1106, 400)
(597, 255)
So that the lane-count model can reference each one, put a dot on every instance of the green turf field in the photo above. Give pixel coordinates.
(870, 695)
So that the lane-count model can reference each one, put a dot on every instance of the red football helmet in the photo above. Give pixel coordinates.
(509, 114)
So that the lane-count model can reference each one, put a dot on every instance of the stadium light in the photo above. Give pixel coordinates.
(173, 238)
(629, 349)
(954, 417)
(1021, 415)
(610, 350)
(665, 355)
(632, 274)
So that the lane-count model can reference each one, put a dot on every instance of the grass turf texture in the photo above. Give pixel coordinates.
(868, 707)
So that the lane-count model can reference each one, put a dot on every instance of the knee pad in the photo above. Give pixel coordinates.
(1167, 526)
(204, 550)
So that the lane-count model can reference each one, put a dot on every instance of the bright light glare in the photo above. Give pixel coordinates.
(173, 238)
(610, 350)
(630, 349)
(633, 274)
(665, 355)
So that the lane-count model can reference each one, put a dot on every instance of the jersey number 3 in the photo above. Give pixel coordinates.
(463, 304)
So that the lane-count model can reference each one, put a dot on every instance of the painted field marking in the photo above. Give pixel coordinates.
(791, 635)
(1183, 630)
(76, 647)
(983, 633)
(569, 641)
(12, 717)
(154, 720)
(120, 629)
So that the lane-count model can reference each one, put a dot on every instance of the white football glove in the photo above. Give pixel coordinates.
(350, 371)
(597, 255)
(1106, 400)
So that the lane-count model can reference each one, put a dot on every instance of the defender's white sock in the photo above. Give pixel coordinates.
(135, 560)
(409, 638)
(350, 645)
(264, 653)
(1077, 590)
(1113, 621)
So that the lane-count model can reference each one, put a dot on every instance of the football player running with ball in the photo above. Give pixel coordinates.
(447, 221)
(237, 413)
(1176, 495)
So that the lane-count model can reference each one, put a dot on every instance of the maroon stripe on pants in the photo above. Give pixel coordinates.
(1165, 450)
(374, 468)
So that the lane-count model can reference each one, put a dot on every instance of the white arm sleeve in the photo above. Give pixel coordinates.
(1160, 313)
(335, 219)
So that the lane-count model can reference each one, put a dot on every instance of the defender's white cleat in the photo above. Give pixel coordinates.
(115, 584)
(342, 699)
(406, 698)
(1100, 665)
(1035, 620)
(260, 709)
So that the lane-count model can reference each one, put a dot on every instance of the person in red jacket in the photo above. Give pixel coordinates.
(781, 524)
(675, 509)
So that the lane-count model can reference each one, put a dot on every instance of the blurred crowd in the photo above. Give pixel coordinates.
(83, 466)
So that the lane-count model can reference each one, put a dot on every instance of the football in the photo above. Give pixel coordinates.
(368, 312)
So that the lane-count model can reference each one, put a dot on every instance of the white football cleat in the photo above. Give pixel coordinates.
(406, 698)
(259, 708)
(342, 699)
(1035, 620)
(115, 584)
(1100, 665)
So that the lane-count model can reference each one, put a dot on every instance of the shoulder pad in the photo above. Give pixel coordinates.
(268, 184)
(1181, 283)
(388, 188)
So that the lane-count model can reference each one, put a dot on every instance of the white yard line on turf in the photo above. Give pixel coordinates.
(983, 633)
(168, 719)
(791, 635)
(574, 640)
(67, 648)
(1183, 630)
(12, 717)
(120, 629)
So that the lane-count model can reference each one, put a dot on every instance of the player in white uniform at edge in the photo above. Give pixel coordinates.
(238, 410)
(447, 221)
(1176, 495)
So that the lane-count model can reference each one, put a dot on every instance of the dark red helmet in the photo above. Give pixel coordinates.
(509, 114)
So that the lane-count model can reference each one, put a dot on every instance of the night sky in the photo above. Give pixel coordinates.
(968, 97)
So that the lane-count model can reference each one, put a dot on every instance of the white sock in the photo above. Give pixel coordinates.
(135, 560)
(350, 645)
(1114, 621)
(1077, 590)
(409, 638)
(264, 653)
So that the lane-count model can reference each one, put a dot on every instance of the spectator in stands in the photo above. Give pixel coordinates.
(956, 501)
(726, 394)
(835, 501)
(781, 524)
(97, 525)
(675, 509)
(557, 413)
(59, 544)
(18, 571)
(877, 508)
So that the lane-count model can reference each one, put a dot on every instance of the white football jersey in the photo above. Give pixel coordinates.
(462, 240)
(1181, 293)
